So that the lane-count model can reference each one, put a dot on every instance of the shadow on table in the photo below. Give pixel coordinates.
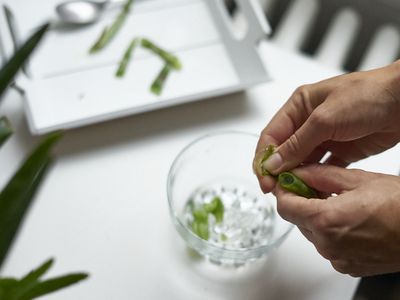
(265, 279)
(152, 125)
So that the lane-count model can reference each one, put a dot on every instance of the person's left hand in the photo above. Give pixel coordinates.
(357, 226)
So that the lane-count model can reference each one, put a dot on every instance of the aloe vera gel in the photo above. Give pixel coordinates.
(230, 216)
(287, 180)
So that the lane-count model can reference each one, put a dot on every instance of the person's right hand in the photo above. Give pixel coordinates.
(358, 230)
(351, 116)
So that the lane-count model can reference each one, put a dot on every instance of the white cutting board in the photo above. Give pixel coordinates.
(68, 87)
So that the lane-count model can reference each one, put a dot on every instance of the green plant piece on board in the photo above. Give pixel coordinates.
(110, 32)
(126, 58)
(168, 57)
(159, 82)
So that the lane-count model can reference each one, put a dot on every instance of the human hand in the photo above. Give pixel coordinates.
(358, 230)
(351, 116)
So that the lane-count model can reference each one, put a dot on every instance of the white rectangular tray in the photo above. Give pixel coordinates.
(68, 87)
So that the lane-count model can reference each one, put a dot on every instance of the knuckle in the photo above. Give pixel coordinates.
(325, 223)
(320, 118)
(341, 266)
(364, 175)
(302, 94)
(302, 97)
(321, 223)
(328, 253)
(355, 274)
(359, 173)
(293, 145)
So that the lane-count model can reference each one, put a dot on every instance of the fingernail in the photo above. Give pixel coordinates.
(273, 162)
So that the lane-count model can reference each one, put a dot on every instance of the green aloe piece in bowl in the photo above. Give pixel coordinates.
(216, 207)
(200, 225)
(201, 229)
(200, 215)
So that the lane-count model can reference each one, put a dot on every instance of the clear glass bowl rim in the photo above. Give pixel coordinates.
(182, 228)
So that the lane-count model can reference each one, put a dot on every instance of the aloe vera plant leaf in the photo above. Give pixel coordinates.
(38, 272)
(295, 185)
(29, 287)
(15, 291)
(28, 282)
(12, 213)
(10, 19)
(126, 58)
(110, 32)
(6, 287)
(8, 282)
(19, 191)
(14, 33)
(168, 57)
(52, 285)
(159, 82)
(10, 69)
(5, 130)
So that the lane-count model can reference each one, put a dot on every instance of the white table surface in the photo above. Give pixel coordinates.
(109, 180)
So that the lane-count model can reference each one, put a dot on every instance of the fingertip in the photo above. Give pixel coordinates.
(273, 163)
(267, 183)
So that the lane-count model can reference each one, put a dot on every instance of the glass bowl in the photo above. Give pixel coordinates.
(216, 204)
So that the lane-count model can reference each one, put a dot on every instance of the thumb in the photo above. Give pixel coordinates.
(300, 144)
(331, 179)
